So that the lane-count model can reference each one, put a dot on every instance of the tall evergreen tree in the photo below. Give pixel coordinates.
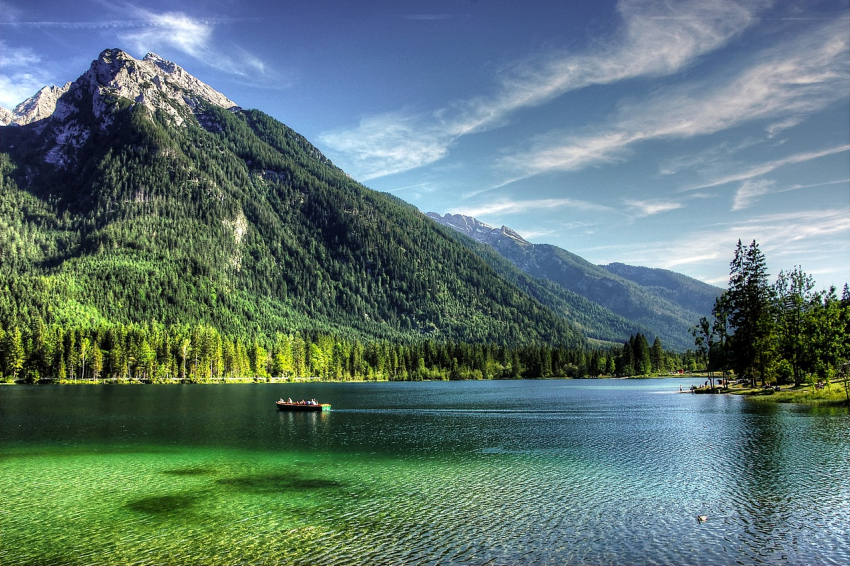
(750, 300)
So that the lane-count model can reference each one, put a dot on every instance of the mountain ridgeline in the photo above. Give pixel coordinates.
(137, 193)
(609, 303)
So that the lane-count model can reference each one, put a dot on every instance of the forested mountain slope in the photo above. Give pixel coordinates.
(617, 300)
(138, 193)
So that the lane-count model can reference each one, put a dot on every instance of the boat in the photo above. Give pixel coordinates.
(287, 406)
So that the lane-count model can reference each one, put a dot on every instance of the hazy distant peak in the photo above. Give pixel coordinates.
(478, 230)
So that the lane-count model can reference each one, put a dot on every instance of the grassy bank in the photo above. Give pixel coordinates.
(833, 394)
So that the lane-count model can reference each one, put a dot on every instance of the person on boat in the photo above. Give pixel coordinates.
(289, 400)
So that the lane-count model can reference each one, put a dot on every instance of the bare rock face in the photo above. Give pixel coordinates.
(152, 82)
(38, 107)
(114, 78)
(6, 116)
(478, 230)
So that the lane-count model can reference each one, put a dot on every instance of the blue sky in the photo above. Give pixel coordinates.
(647, 132)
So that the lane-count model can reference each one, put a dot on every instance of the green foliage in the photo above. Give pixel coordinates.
(779, 332)
(154, 352)
(235, 221)
(636, 357)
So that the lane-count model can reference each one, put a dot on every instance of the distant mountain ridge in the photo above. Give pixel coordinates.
(653, 301)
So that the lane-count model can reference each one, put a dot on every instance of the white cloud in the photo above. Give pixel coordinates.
(508, 206)
(20, 75)
(651, 207)
(148, 31)
(796, 79)
(173, 29)
(388, 144)
(427, 17)
(765, 168)
(750, 191)
(787, 239)
(655, 39)
(782, 125)
(8, 13)
(153, 32)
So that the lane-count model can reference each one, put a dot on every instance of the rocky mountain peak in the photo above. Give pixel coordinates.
(41, 105)
(153, 83)
(478, 230)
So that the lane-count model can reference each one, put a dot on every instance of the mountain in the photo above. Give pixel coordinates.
(138, 193)
(628, 299)
(688, 292)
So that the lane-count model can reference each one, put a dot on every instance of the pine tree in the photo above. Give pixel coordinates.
(657, 356)
(750, 300)
(14, 352)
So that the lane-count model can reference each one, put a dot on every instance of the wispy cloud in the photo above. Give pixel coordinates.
(20, 75)
(145, 19)
(750, 191)
(426, 17)
(192, 36)
(387, 144)
(765, 168)
(654, 39)
(416, 186)
(782, 125)
(174, 29)
(713, 158)
(644, 208)
(785, 238)
(508, 206)
(148, 31)
(793, 80)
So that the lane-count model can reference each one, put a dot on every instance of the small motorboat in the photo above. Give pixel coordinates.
(302, 406)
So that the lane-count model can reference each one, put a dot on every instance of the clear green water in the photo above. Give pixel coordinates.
(549, 472)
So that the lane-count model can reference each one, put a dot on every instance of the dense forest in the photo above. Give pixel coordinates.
(785, 332)
(235, 221)
(156, 353)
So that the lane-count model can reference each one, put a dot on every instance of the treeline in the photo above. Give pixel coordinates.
(637, 357)
(785, 332)
(156, 353)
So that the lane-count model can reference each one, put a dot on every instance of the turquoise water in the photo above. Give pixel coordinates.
(517, 472)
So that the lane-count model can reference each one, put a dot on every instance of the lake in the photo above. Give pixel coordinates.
(504, 472)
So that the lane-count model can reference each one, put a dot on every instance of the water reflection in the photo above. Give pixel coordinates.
(431, 473)
(304, 428)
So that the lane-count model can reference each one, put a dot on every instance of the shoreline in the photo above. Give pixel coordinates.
(241, 380)
(833, 395)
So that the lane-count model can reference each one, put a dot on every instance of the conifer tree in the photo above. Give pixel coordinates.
(750, 299)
